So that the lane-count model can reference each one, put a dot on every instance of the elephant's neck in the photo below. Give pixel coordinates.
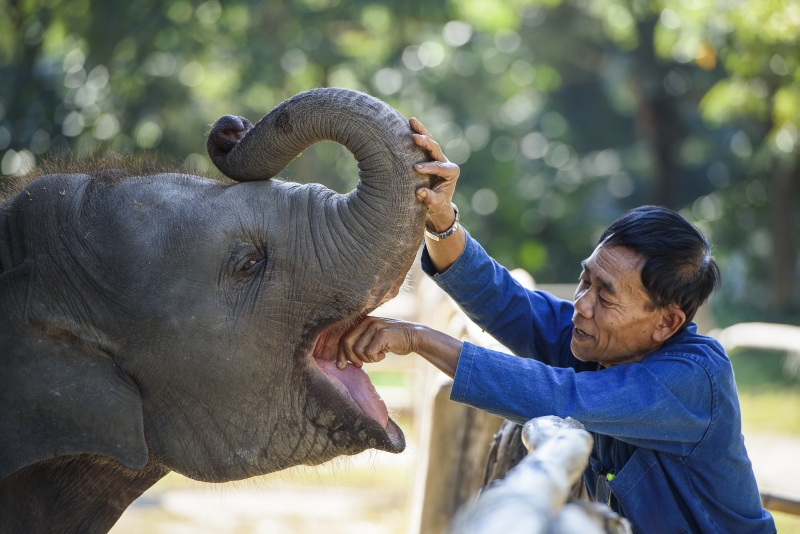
(82, 493)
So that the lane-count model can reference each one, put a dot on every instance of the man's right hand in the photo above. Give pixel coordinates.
(440, 214)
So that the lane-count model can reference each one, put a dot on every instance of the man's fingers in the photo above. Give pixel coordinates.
(363, 342)
(376, 349)
(418, 126)
(345, 355)
(379, 342)
(354, 357)
(426, 196)
(444, 170)
(346, 342)
(369, 341)
(431, 146)
(353, 344)
(431, 198)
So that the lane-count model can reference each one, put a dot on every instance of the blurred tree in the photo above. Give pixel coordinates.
(756, 43)
(562, 113)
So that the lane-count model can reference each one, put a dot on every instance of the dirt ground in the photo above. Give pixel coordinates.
(366, 494)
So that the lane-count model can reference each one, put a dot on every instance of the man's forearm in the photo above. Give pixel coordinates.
(445, 252)
(438, 348)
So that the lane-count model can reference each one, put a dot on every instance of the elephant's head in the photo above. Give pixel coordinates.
(174, 319)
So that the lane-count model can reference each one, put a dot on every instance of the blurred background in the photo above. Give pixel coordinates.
(562, 114)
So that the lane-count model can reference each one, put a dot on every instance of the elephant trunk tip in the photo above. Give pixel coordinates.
(224, 136)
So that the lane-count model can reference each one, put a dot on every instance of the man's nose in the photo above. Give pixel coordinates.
(584, 304)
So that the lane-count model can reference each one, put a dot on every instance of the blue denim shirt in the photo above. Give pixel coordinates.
(668, 427)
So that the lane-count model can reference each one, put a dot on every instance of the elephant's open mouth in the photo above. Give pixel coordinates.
(354, 386)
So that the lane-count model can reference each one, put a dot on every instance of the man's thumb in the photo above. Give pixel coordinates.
(425, 195)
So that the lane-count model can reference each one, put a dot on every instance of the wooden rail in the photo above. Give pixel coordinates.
(780, 504)
(533, 495)
(765, 336)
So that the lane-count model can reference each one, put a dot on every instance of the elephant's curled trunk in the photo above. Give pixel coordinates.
(381, 216)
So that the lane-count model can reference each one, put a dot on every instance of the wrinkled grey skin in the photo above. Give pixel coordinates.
(166, 322)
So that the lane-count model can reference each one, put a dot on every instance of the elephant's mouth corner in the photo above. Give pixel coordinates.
(355, 393)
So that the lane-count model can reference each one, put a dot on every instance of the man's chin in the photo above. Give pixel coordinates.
(581, 353)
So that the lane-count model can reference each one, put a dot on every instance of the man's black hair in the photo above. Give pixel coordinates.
(679, 269)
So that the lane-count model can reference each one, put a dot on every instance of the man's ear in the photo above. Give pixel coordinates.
(58, 395)
(670, 321)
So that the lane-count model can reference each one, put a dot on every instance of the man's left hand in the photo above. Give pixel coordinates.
(373, 338)
(369, 342)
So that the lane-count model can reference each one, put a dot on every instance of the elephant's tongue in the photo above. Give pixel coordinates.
(356, 383)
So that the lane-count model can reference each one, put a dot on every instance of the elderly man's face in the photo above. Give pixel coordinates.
(613, 323)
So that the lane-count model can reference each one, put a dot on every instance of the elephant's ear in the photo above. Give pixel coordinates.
(59, 395)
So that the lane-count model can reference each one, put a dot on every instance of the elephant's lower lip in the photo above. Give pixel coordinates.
(354, 383)
(351, 382)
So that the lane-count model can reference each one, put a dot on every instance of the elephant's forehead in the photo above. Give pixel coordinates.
(165, 192)
(158, 206)
(197, 197)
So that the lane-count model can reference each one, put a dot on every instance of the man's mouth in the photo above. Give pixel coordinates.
(580, 335)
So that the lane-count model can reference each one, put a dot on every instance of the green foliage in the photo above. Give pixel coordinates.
(732, 99)
(561, 113)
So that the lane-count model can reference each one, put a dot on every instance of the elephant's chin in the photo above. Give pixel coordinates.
(362, 417)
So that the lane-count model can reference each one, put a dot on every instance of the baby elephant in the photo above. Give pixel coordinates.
(155, 321)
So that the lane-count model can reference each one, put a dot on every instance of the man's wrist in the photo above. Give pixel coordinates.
(421, 339)
(417, 337)
(442, 221)
(437, 348)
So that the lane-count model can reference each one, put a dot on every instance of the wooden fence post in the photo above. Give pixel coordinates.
(454, 447)
(454, 439)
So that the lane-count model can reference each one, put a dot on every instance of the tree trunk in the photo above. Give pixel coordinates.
(659, 120)
(785, 204)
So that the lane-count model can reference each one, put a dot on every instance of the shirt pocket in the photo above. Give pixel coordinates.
(645, 497)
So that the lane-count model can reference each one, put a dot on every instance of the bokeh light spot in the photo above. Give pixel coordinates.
(388, 81)
(484, 201)
(456, 33)
(621, 185)
(148, 134)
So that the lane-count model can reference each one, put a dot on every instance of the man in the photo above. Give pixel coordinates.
(624, 359)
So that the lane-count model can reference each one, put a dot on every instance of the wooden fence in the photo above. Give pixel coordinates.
(532, 497)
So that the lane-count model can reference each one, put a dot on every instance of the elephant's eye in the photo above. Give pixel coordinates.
(251, 265)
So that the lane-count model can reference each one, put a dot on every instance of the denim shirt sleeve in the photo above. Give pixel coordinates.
(532, 324)
(662, 403)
